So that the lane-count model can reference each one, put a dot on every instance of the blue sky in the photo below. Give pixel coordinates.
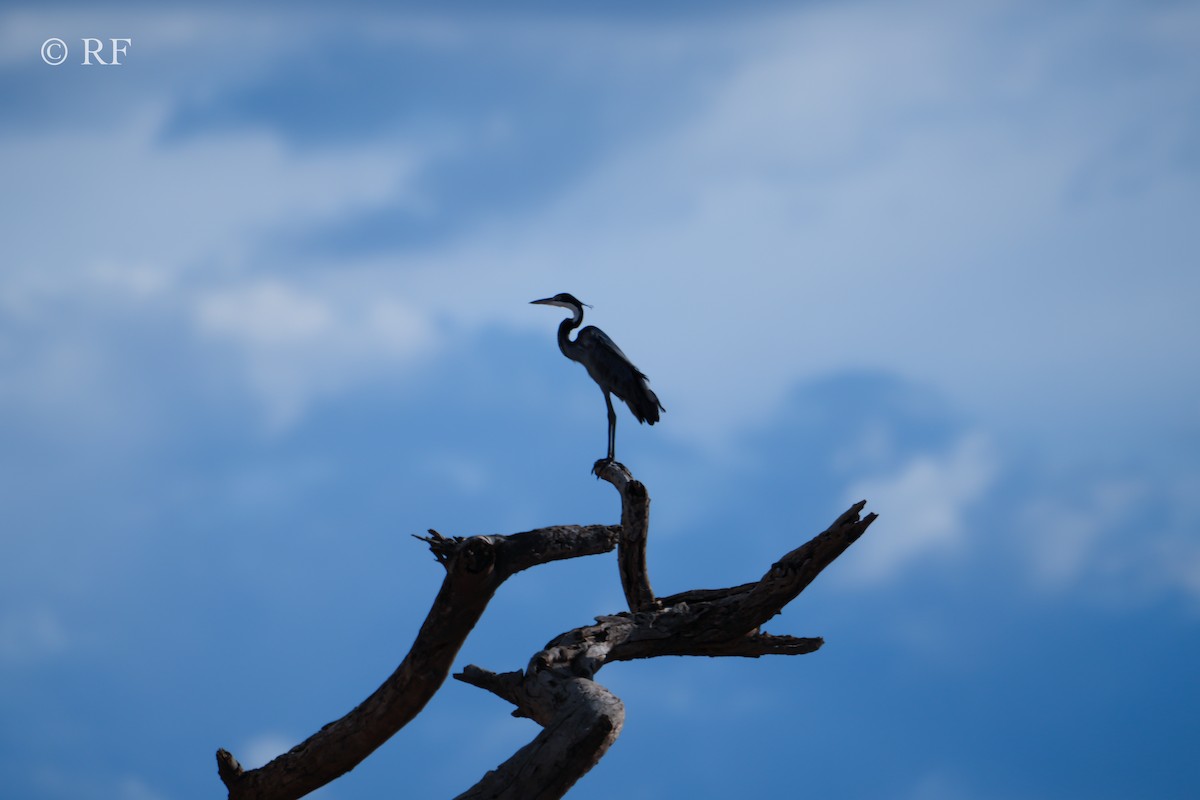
(264, 313)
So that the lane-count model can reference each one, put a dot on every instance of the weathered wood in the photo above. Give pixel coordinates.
(475, 568)
(635, 526)
(558, 683)
(580, 719)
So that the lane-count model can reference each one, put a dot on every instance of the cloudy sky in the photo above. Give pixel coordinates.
(264, 313)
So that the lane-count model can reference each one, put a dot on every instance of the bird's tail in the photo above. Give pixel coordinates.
(645, 405)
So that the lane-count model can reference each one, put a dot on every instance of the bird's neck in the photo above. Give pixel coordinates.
(568, 347)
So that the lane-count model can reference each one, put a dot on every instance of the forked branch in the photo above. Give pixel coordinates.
(579, 717)
(475, 568)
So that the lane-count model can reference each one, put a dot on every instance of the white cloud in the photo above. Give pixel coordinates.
(116, 222)
(924, 506)
(263, 748)
(1123, 538)
(199, 204)
(1065, 539)
(302, 343)
(265, 315)
(923, 189)
(891, 188)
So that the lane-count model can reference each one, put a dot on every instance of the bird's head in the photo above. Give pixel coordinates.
(563, 300)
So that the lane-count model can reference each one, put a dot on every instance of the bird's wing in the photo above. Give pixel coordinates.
(615, 373)
(604, 353)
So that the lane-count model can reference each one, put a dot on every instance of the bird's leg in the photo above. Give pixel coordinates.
(612, 428)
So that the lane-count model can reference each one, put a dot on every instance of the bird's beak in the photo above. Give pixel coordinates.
(543, 302)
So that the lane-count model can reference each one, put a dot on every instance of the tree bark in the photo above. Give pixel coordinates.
(635, 526)
(475, 568)
(580, 719)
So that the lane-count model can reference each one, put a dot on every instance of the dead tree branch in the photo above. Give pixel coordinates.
(475, 568)
(635, 525)
(580, 719)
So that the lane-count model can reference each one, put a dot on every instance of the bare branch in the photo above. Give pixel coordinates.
(635, 525)
(760, 644)
(580, 719)
(520, 551)
(557, 685)
(792, 574)
(505, 685)
(475, 568)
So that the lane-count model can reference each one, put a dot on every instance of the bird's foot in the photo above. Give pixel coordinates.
(606, 463)
(614, 472)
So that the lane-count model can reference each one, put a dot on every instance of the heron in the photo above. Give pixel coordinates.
(609, 367)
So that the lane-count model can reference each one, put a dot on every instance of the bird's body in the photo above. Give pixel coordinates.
(610, 368)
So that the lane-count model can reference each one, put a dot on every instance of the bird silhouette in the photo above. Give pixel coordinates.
(609, 367)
